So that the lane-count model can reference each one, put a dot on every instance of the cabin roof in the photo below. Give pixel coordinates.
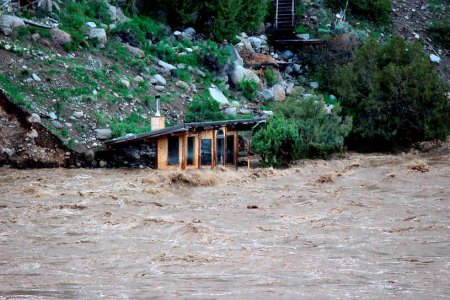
(246, 124)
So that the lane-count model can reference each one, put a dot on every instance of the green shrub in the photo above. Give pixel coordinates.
(136, 31)
(270, 76)
(302, 128)
(249, 88)
(135, 123)
(375, 10)
(183, 74)
(440, 32)
(321, 134)
(204, 108)
(277, 143)
(64, 133)
(212, 56)
(14, 91)
(394, 96)
(28, 31)
(223, 18)
(326, 60)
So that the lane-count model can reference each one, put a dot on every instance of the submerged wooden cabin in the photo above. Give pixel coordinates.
(186, 146)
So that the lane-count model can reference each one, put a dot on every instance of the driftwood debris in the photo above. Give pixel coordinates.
(37, 24)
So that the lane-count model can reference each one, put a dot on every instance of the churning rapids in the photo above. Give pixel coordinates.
(370, 226)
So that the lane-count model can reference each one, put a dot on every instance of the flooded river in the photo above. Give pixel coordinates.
(368, 226)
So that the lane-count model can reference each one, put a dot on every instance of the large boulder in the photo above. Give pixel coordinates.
(166, 66)
(239, 74)
(235, 57)
(279, 93)
(103, 134)
(267, 95)
(9, 23)
(159, 79)
(60, 37)
(218, 96)
(98, 34)
(135, 51)
(256, 42)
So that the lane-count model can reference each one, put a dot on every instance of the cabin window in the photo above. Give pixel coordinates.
(230, 149)
(206, 152)
(220, 146)
(191, 151)
(173, 154)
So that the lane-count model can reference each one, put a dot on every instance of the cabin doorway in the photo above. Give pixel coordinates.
(220, 147)
(206, 152)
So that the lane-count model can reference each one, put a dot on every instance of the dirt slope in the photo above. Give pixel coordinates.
(411, 19)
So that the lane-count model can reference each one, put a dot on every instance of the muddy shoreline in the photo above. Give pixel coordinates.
(367, 226)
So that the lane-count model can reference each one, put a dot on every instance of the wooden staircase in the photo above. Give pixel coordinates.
(284, 18)
(284, 26)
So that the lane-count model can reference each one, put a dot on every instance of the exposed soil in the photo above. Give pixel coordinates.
(411, 19)
(24, 144)
(368, 226)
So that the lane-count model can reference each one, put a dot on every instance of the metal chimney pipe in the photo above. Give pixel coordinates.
(158, 106)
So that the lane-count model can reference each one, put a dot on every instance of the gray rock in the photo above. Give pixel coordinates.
(159, 79)
(60, 37)
(36, 78)
(166, 66)
(52, 116)
(112, 12)
(121, 18)
(303, 36)
(230, 111)
(138, 79)
(256, 42)
(287, 54)
(102, 164)
(98, 34)
(178, 35)
(56, 124)
(200, 73)
(239, 74)
(267, 95)
(435, 59)
(125, 83)
(34, 118)
(235, 103)
(183, 85)
(235, 57)
(189, 31)
(290, 88)
(314, 85)
(245, 111)
(268, 112)
(278, 92)
(78, 114)
(94, 63)
(218, 96)
(297, 68)
(160, 88)
(35, 37)
(91, 25)
(135, 51)
(103, 134)
(329, 109)
(9, 23)
(289, 70)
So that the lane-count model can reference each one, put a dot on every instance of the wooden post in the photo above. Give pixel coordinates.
(183, 161)
(213, 150)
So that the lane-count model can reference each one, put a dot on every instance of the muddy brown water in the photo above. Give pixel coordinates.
(369, 226)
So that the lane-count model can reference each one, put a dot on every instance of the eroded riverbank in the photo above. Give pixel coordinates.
(367, 226)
